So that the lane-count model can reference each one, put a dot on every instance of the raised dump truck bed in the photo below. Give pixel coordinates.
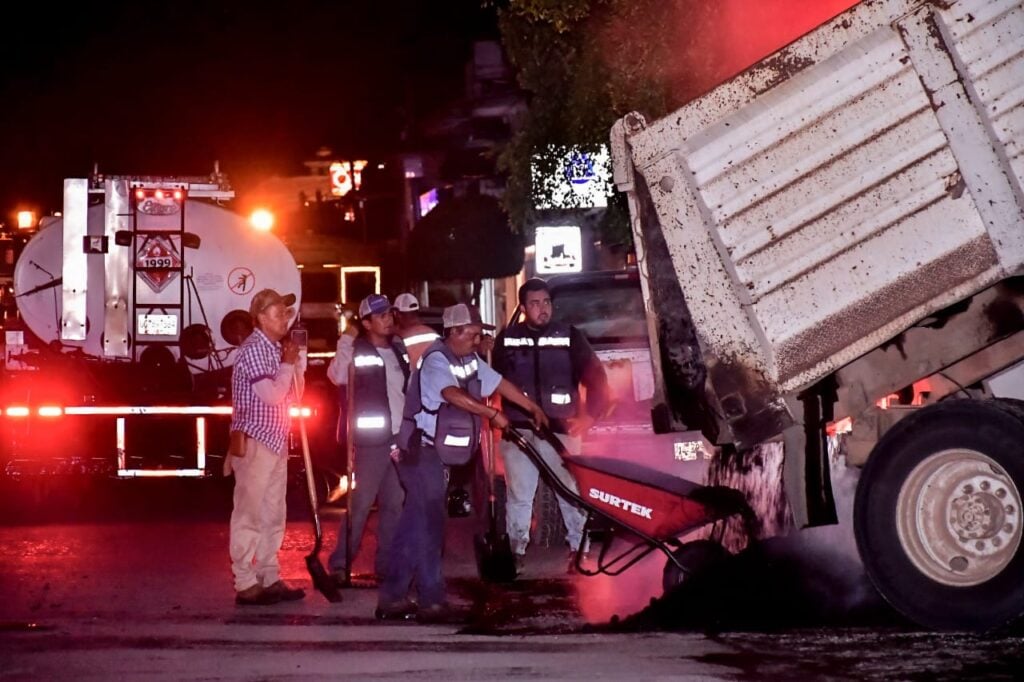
(844, 220)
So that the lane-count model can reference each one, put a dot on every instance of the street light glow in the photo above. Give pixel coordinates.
(262, 219)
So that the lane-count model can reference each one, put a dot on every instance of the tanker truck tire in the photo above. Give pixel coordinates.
(937, 515)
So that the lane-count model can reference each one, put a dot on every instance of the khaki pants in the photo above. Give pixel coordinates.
(259, 515)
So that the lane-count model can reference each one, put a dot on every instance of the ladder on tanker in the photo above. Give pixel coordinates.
(150, 217)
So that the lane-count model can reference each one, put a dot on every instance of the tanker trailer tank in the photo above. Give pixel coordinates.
(133, 305)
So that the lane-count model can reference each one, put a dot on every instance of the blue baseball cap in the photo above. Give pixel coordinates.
(374, 304)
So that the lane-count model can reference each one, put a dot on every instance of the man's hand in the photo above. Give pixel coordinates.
(578, 426)
(351, 328)
(486, 344)
(396, 455)
(540, 420)
(289, 351)
(499, 420)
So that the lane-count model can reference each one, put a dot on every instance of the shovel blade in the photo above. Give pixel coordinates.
(495, 560)
(322, 580)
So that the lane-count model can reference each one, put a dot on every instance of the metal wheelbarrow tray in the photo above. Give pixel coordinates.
(648, 509)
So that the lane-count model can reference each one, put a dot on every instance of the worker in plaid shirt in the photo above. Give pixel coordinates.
(267, 377)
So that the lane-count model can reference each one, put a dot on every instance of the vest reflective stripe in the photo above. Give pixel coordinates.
(456, 441)
(553, 341)
(516, 343)
(557, 341)
(561, 398)
(371, 422)
(466, 371)
(421, 338)
(368, 361)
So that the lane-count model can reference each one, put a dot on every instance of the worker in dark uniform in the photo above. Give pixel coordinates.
(547, 360)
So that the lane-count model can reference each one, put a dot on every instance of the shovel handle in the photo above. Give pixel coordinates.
(307, 462)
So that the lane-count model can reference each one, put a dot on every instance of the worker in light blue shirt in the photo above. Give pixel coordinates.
(444, 413)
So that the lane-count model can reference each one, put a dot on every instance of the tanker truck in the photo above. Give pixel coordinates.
(841, 223)
(131, 308)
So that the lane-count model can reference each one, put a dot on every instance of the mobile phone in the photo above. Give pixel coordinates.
(300, 337)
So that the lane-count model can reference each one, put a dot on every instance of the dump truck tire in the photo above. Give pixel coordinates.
(937, 515)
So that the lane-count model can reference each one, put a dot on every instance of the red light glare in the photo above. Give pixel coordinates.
(50, 411)
(140, 195)
(178, 195)
(159, 194)
(17, 411)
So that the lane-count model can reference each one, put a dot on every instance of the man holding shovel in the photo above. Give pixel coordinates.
(375, 367)
(267, 375)
(443, 415)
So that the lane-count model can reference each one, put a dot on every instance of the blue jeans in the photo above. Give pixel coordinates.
(418, 543)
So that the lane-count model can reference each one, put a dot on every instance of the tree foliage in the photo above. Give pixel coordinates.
(584, 64)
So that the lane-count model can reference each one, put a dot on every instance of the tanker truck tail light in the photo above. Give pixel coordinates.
(50, 411)
(303, 411)
(17, 411)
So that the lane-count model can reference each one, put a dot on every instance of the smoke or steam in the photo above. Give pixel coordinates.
(695, 44)
(804, 577)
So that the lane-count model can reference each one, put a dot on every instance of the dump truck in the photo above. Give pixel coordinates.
(131, 308)
(837, 230)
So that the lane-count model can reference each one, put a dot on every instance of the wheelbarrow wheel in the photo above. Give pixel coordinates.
(697, 556)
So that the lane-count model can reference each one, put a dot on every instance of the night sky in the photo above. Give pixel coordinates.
(259, 85)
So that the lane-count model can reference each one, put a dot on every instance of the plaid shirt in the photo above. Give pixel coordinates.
(259, 358)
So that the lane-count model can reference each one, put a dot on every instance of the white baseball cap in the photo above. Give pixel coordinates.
(406, 303)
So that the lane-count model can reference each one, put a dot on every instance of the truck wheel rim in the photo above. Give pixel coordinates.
(959, 517)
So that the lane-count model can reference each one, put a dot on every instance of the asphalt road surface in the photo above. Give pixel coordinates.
(134, 583)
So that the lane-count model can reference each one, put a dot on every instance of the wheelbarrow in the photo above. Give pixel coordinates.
(639, 510)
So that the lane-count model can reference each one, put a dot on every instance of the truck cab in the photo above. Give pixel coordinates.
(608, 307)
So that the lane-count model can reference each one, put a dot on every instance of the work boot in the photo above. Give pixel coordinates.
(573, 569)
(399, 610)
(281, 590)
(256, 595)
(520, 564)
(340, 580)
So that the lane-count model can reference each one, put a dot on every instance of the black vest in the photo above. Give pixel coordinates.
(539, 363)
(371, 412)
(457, 433)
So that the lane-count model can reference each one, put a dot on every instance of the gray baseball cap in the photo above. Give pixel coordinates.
(461, 314)
(266, 298)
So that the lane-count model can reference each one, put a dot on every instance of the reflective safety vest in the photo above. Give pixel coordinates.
(457, 432)
(539, 363)
(418, 339)
(371, 414)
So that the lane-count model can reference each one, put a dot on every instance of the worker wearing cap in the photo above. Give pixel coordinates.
(547, 360)
(267, 377)
(417, 336)
(375, 366)
(451, 375)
